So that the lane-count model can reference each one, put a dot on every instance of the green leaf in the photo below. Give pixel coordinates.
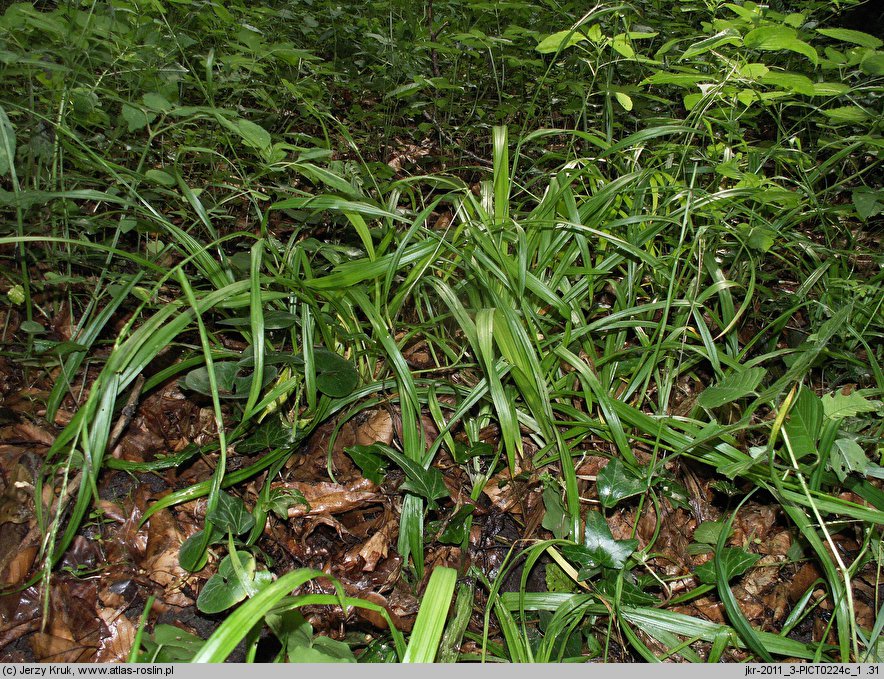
(734, 386)
(708, 532)
(269, 435)
(804, 424)
(280, 500)
(777, 38)
(873, 63)
(455, 531)
(296, 636)
(230, 514)
(599, 548)
(560, 41)
(868, 202)
(232, 377)
(428, 483)
(621, 45)
(31, 327)
(160, 177)
(555, 518)
(227, 588)
(837, 406)
(794, 82)
(7, 143)
(735, 561)
(624, 100)
(136, 118)
(192, 555)
(729, 36)
(616, 482)
(830, 89)
(848, 456)
(252, 134)
(369, 461)
(854, 37)
(170, 644)
(156, 101)
(335, 375)
(845, 114)
(431, 617)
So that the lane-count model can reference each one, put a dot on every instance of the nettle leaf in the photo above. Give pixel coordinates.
(560, 41)
(736, 561)
(369, 461)
(227, 588)
(804, 423)
(837, 406)
(734, 386)
(335, 375)
(231, 515)
(616, 482)
(599, 548)
(136, 118)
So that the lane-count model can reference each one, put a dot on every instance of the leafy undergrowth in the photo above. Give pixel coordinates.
(459, 332)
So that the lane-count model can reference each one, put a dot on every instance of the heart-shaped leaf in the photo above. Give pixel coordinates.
(192, 554)
(270, 435)
(227, 588)
(170, 644)
(555, 519)
(281, 500)
(805, 421)
(335, 376)
(233, 380)
(616, 482)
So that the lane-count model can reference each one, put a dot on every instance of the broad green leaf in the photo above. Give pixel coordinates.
(232, 378)
(734, 386)
(280, 500)
(854, 37)
(136, 118)
(7, 143)
(599, 548)
(735, 561)
(428, 483)
(252, 134)
(830, 89)
(455, 530)
(729, 36)
(868, 202)
(624, 100)
(560, 41)
(615, 482)
(269, 435)
(804, 424)
(227, 587)
(776, 38)
(708, 532)
(845, 114)
(621, 45)
(555, 517)
(848, 456)
(170, 644)
(160, 177)
(370, 463)
(231, 514)
(192, 554)
(794, 82)
(156, 101)
(837, 406)
(296, 636)
(873, 63)
(335, 375)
